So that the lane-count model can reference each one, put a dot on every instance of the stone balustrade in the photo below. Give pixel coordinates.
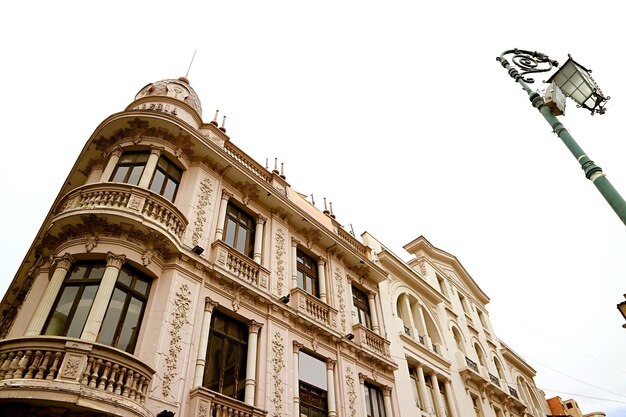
(45, 363)
(370, 340)
(314, 308)
(207, 403)
(248, 163)
(130, 199)
(239, 265)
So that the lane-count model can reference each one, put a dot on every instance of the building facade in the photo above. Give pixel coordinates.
(175, 273)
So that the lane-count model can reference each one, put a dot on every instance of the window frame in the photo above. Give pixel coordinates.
(242, 221)
(368, 389)
(317, 400)
(131, 165)
(239, 376)
(168, 177)
(361, 307)
(307, 276)
(82, 283)
(129, 292)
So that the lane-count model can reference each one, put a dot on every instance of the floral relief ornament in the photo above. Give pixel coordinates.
(278, 364)
(182, 305)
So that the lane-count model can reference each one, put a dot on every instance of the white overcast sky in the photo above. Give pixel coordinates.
(395, 111)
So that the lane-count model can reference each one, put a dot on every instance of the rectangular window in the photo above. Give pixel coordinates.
(476, 404)
(307, 274)
(72, 306)
(361, 307)
(122, 321)
(463, 302)
(416, 391)
(374, 401)
(130, 167)
(239, 230)
(225, 370)
(442, 286)
(313, 387)
(166, 179)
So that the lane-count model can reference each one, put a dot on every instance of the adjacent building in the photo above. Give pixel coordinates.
(175, 273)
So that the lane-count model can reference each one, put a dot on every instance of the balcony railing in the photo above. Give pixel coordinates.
(314, 308)
(471, 364)
(115, 377)
(239, 265)
(127, 198)
(247, 162)
(494, 380)
(513, 392)
(208, 403)
(421, 339)
(370, 340)
(352, 241)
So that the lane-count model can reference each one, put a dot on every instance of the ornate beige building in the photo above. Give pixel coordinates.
(175, 273)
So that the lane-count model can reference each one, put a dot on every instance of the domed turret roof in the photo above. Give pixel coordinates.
(178, 89)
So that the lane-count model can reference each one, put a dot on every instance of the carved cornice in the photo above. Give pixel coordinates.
(250, 192)
(312, 236)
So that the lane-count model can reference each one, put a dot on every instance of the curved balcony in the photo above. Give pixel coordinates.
(72, 373)
(130, 201)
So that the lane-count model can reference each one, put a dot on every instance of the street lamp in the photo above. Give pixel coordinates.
(574, 81)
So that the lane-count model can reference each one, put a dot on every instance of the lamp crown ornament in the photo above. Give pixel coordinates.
(571, 79)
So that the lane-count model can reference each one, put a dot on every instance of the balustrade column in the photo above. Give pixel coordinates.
(113, 160)
(294, 262)
(103, 296)
(258, 238)
(387, 401)
(221, 217)
(253, 343)
(371, 298)
(424, 389)
(321, 275)
(296, 378)
(151, 164)
(409, 312)
(330, 382)
(203, 344)
(447, 387)
(441, 407)
(38, 320)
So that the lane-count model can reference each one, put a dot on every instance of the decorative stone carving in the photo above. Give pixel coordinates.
(340, 298)
(250, 192)
(182, 305)
(72, 367)
(312, 236)
(362, 271)
(421, 263)
(352, 397)
(280, 260)
(203, 409)
(139, 129)
(204, 200)
(278, 364)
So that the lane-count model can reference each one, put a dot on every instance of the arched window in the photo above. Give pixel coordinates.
(458, 340)
(499, 368)
(480, 354)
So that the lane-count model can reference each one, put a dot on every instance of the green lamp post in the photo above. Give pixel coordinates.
(574, 81)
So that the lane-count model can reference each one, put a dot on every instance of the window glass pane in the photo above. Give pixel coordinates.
(241, 240)
(130, 328)
(230, 233)
(119, 174)
(112, 317)
(57, 321)
(124, 277)
(368, 401)
(300, 279)
(170, 190)
(135, 175)
(141, 286)
(157, 182)
(312, 370)
(82, 310)
(213, 366)
(230, 363)
(97, 271)
(78, 272)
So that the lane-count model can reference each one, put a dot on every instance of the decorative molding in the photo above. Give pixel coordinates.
(250, 192)
(342, 303)
(280, 263)
(421, 263)
(204, 200)
(362, 271)
(140, 129)
(352, 397)
(278, 364)
(312, 236)
(182, 305)
(203, 409)
(72, 367)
